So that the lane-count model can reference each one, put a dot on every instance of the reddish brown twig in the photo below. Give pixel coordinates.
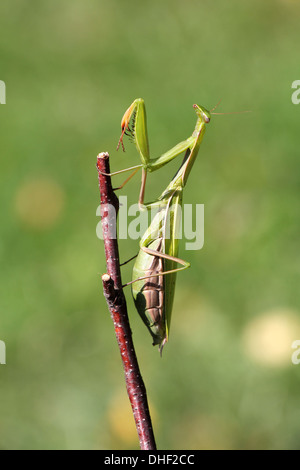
(113, 292)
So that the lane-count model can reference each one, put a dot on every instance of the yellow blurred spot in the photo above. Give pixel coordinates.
(268, 338)
(39, 203)
(121, 420)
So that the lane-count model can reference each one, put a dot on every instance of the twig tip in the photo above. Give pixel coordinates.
(103, 155)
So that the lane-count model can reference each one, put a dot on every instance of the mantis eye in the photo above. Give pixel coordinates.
(203, 113)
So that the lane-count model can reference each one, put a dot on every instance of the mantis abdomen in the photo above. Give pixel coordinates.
(149, 294)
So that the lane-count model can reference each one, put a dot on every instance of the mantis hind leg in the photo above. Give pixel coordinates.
(126, 181)
(185, 265)
(128, 261)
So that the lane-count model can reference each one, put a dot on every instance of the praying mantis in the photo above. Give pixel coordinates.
(154, 272)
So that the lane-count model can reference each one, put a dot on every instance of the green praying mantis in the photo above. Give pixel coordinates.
(154, 272)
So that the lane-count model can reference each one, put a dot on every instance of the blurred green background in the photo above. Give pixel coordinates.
(71, 68)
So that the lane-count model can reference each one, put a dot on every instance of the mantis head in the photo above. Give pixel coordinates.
(202, 113)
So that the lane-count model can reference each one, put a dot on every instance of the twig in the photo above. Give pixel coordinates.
(113, 292)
